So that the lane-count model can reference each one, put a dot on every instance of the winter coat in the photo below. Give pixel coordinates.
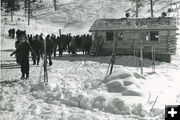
(23, 51)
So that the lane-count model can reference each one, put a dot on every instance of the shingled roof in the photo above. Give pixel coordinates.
(134, 24)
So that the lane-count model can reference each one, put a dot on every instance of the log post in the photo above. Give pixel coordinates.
(153, 58)
(45, 63)
(152, 8)
(141, 58)
(29, 11)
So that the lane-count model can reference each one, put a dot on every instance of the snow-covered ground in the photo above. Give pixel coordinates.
(77, 87)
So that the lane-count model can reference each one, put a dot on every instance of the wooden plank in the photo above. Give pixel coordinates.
(175, 39)
(172, 46)
(135, 45)
(172, 33)
(136, 42)
(130, 50)
(173, 42)
(163, 32)
(163, 38)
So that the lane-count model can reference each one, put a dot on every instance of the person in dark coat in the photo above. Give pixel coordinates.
(23, 50)
(69, 38)
(72, 47)
(54, 40)
(86, 44)
(42, 44)
(60, 46)
(13, 33)
(18, 34)
(9, 32)
(17, 44)
(36, 46)
(30, 38)
(49, 48)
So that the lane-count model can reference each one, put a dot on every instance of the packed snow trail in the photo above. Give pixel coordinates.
(32, 100)
(72, 94)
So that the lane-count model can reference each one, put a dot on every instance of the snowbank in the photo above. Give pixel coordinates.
(126, 82)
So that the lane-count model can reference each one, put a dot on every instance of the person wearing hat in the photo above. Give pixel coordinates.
(23, 51)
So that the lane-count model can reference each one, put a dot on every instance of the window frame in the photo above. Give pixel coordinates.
(150, 37)
(112, 36)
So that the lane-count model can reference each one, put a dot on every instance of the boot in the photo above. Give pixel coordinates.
(50, 63)
(22, 77)
(38, 62)
(27, 76)
(34, 62)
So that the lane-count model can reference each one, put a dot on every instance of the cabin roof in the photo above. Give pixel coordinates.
(134, 24)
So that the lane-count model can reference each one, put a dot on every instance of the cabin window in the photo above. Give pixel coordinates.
(154, 36)
(109, 36)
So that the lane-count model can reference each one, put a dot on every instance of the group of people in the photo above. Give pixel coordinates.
(11, 33)
(19, 33)
(35, 44)
(72, 44)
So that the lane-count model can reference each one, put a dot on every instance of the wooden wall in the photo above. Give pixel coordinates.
(132, 41)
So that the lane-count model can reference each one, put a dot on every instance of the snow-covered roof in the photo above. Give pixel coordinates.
(134, 24)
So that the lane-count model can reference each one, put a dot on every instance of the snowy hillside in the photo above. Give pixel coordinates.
(77, 16)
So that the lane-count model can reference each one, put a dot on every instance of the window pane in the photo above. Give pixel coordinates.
(154, 36)
(109, 36)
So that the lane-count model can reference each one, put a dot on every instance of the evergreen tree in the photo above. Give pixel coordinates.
(10, 6)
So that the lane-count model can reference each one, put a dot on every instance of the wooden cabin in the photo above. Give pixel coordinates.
(133, 34)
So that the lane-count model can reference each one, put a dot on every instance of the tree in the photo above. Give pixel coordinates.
(138, 5)
(28, 8)
(25, 7)
(152, 8)
(11, 7)
(55, 5)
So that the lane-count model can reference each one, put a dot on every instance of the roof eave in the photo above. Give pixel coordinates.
(163, 28)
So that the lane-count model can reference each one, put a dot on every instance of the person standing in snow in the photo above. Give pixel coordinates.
(54, 40)
(49, 48)
(73, 47)
(60, 45)
(36, 45)
(9, 32)
(42, 45)
(13, 33)
(17, 44)
(23, 51)
(18, 34)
